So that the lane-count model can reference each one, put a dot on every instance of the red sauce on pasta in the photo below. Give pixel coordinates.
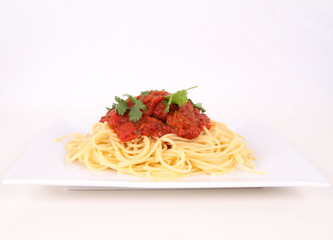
(185, 121)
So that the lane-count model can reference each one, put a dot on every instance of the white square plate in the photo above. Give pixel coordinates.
(44, 164)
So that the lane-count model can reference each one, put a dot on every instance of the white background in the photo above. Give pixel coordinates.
(272, 60)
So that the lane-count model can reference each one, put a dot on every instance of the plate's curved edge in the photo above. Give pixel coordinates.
(166, 185)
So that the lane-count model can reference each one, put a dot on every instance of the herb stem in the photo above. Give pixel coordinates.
(191, 88)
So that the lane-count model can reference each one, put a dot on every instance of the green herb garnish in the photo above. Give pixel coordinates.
(179, 98)
(120, 106)
(198, 106)
(145, 93)
(134, 112)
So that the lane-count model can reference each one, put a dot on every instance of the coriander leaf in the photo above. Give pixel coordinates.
(145, 93)
(135, 113)
(179, 98)
(167, 105)
(198, 106)
(121, 107)
(133, 99)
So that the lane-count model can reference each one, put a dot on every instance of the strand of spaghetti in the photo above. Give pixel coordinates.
(81, 149)
(219, 154)
(240, 162)
(236, 149)
(202, 164)
(212, 138)
(160, 158)
(135, 173)
(142, 153)
(67, 136)
(89, 158)
(223, 163)
(174, 150)
(128, 153)
(224, 172)
(106, 162)
(96, 141)
(126, 162)
(199, 147)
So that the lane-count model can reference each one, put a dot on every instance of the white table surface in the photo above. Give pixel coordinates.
(272, 60)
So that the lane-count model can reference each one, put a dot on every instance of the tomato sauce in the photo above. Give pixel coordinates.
(185, 121)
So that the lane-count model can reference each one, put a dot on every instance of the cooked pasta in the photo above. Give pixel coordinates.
(215, 151)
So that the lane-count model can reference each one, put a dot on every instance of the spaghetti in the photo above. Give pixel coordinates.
(216, 151)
